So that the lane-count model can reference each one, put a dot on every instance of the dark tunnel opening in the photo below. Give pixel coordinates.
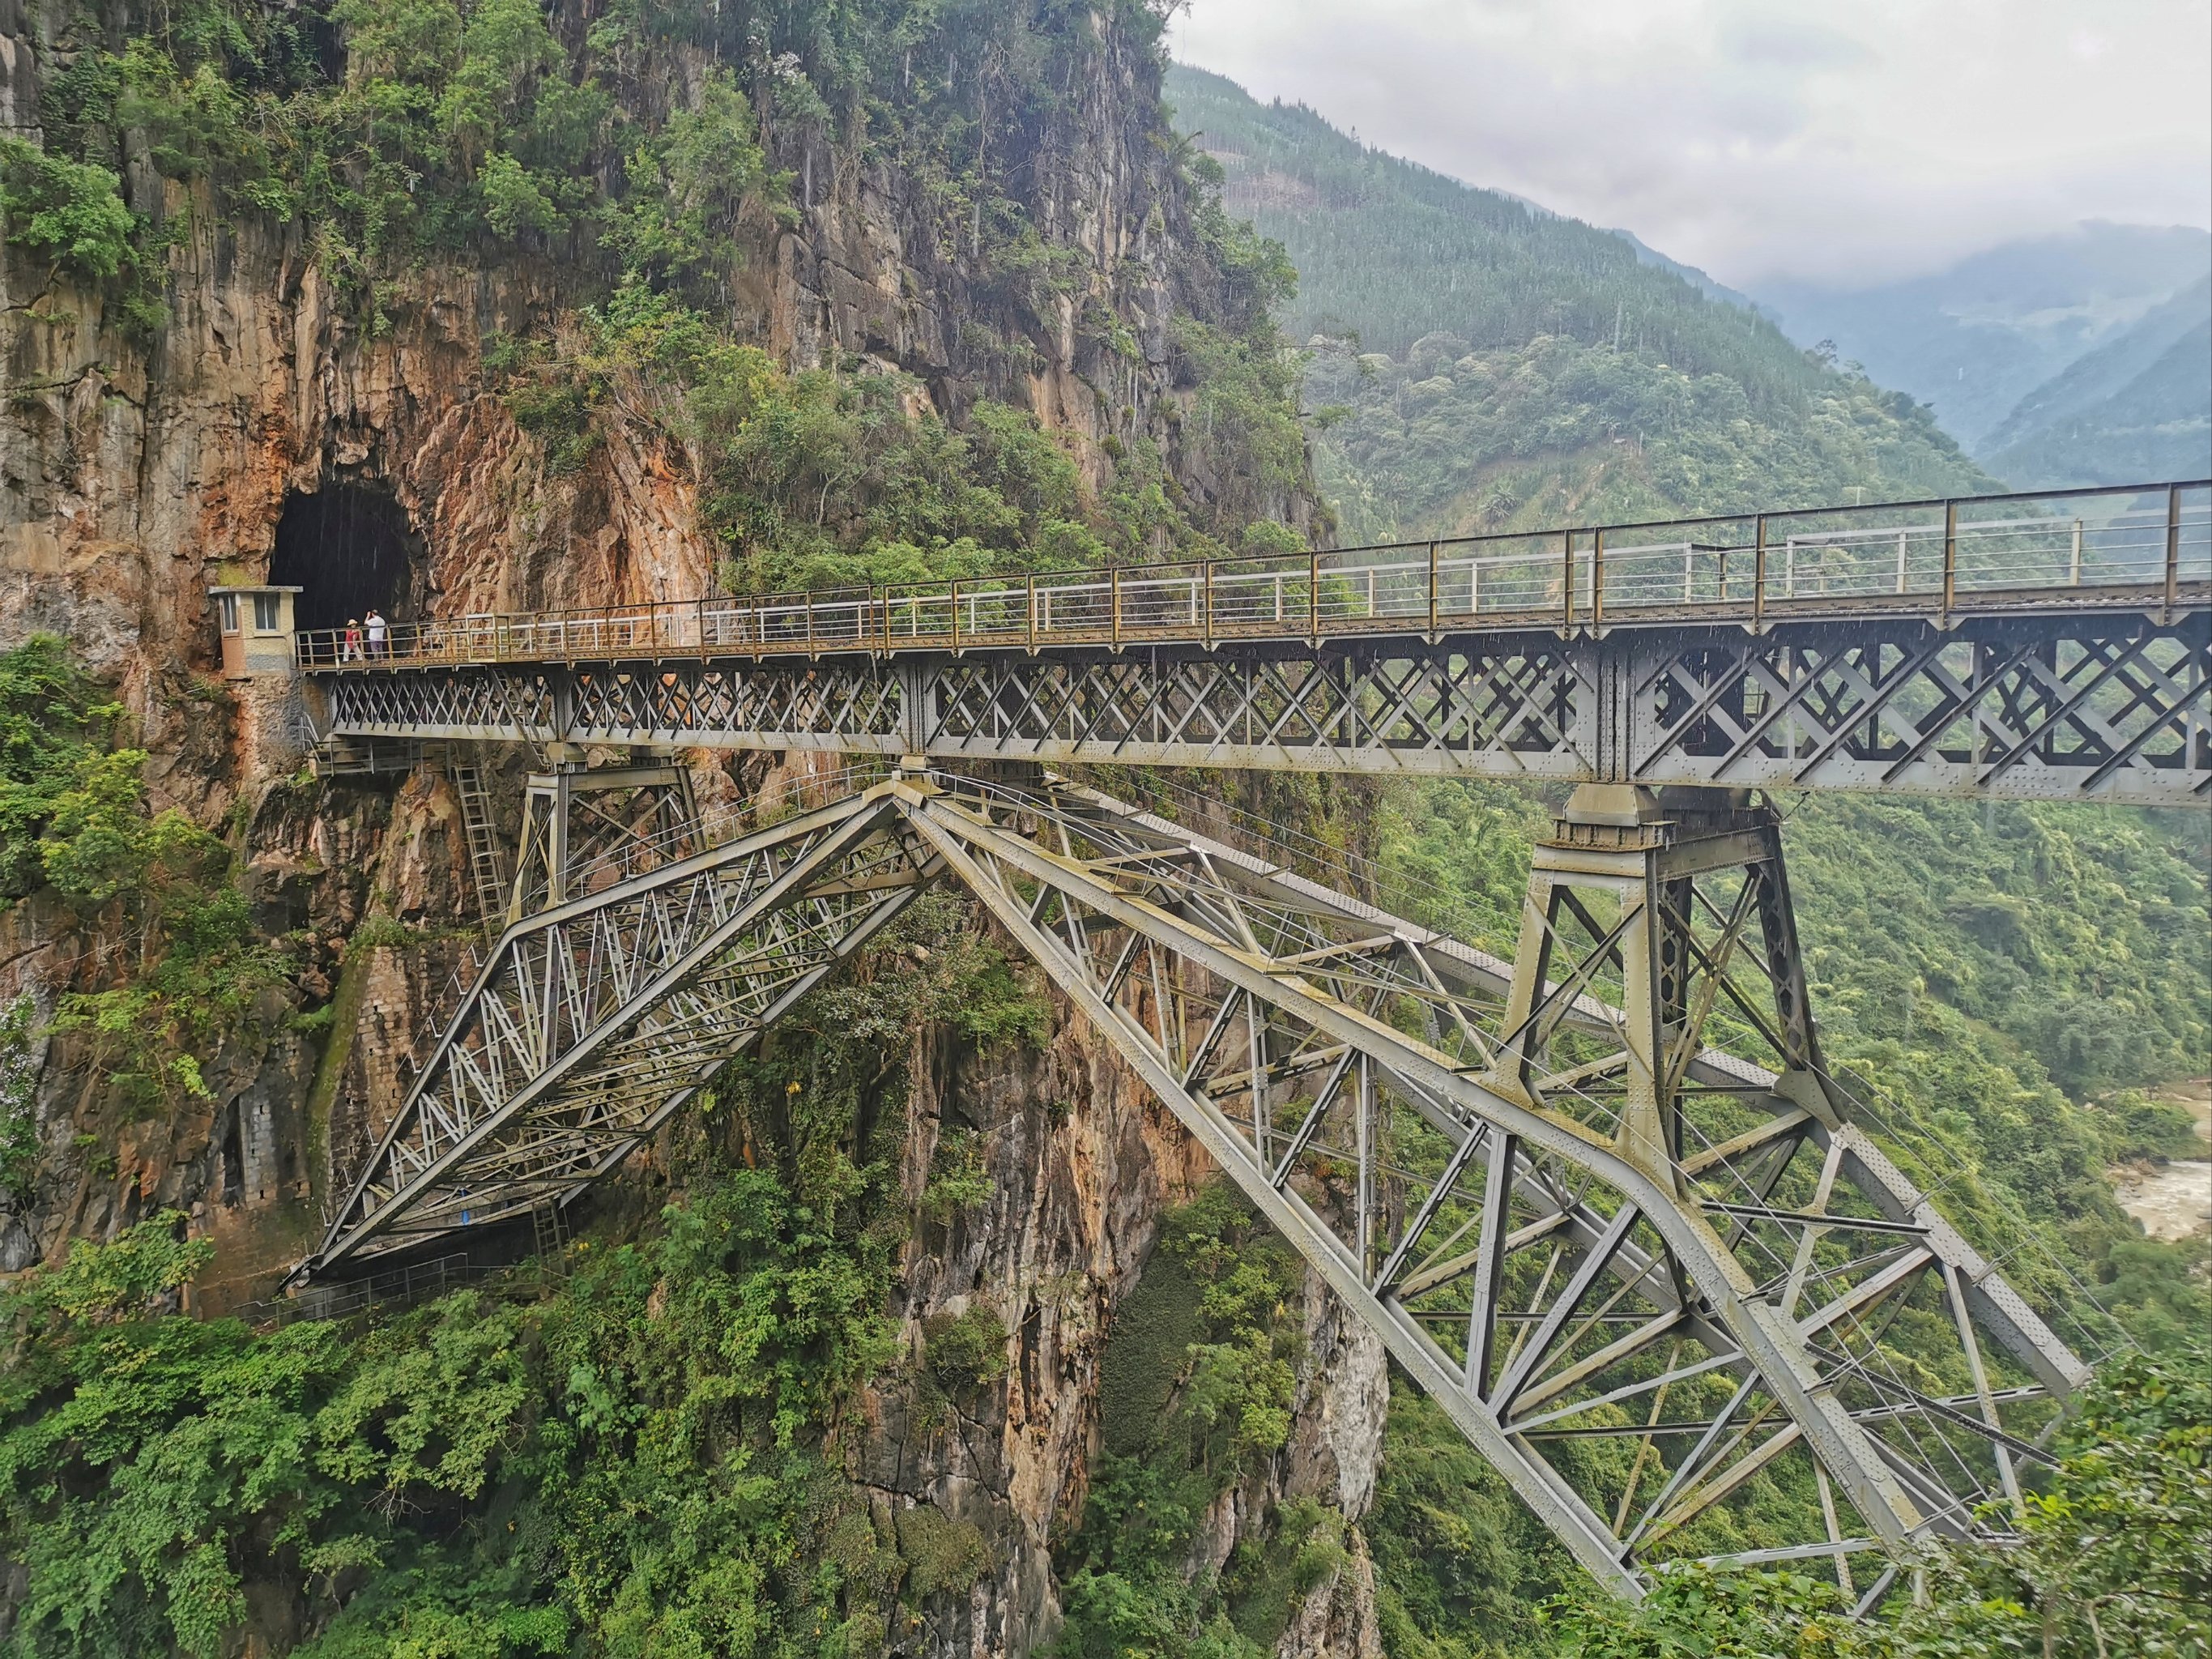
(347, 548)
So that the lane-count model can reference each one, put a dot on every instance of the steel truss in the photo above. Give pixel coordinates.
(2062, 704)
(593, 1021)
(586, 828)
(1741, 1332)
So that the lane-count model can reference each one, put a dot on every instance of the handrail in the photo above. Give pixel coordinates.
(1576, 580)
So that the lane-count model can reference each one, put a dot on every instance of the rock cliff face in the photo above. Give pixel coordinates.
(1083, 1160)
(137, 472)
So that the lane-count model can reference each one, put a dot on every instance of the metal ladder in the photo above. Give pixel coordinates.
(485, 864)
(549, 1235)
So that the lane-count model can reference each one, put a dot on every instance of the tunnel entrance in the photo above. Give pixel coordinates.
(347, 548)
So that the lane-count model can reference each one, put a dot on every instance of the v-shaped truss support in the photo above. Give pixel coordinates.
(593, 1020)
(1747, 1335)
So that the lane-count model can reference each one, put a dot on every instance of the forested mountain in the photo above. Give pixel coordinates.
(2137, 407)
(1390, 250)
(1452, 440)
(2008, 984)
(1479, 364)
(923, 1330)
(1975, 339)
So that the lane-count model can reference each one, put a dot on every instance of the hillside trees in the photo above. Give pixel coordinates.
(187, 967)
(646, 1455)
(1457, 440)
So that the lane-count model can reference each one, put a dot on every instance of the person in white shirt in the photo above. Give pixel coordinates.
(375, 624)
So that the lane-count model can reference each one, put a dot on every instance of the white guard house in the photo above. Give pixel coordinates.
(256, 625)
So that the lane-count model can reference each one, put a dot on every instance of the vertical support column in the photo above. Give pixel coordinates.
(557, 836)
(1643, 902)
(579, 825)
(917, 712)
(2172, 554)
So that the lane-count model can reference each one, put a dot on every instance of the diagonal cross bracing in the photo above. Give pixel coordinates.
(1724, 1323)
(2084, 703)
(594, 1020)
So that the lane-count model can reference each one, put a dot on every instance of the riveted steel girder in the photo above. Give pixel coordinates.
(2100, 703)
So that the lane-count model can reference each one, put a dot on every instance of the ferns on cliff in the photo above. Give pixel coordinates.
(53, 720)
(390, 126)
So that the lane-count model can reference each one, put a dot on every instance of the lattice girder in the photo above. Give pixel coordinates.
(1650, 1356)
(586, 828)
(2088, 704)
(593, 1021)
(1533, 1279)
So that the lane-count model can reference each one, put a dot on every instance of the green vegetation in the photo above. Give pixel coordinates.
(1457, 440)
(403, 131)
(817, 478)
(1195, 1394)
(1390, 251)
(188, 969)
(52, 724)
(649, 1459)
(1460, 1566)
(71, 212)
(2111, 1561)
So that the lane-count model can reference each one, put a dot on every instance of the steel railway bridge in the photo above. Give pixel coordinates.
(1655, 1281)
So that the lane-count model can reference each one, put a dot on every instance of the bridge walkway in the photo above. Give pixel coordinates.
(2049, 647)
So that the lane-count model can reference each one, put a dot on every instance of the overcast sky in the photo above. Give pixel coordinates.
(1849, 141)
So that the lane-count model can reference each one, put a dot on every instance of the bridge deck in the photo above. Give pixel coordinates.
(2054, 647)
(2121, 548)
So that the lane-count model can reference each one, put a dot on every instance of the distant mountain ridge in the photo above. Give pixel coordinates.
(1978, 340)
(1513, 367)
(1690, 274)
(2137, 407)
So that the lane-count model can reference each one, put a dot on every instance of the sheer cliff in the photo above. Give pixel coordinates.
(442, 308)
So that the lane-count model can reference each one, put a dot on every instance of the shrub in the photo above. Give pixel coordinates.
(965, 1351)
(71, 211)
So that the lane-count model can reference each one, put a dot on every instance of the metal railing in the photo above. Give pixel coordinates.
(381, 1294)
(1936, 556)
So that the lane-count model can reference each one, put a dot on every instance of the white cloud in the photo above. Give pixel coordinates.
(1841, 142)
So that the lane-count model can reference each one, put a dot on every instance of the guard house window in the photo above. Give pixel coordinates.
(265, 612)
(230, 612)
